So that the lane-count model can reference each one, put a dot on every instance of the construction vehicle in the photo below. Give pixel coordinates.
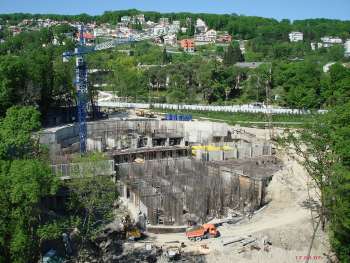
(133, 233)
(144, 113)
(205, 231)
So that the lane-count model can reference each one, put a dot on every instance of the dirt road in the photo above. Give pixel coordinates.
(284, 221)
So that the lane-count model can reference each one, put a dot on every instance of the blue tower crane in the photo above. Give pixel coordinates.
(81, 78)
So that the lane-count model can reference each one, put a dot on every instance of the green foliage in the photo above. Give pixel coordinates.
(323, 145)
(233, 54)
(301, 83)
(92, 197)
(16, 132)
(336, 85)
(24, 183)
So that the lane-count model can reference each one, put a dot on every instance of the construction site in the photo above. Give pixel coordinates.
(172, 175)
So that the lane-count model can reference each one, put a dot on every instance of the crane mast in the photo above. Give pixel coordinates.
(81, 76)
(81, 79)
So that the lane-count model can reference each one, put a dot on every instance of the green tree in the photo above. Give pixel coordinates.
(301, 82)
(16, 129)
(322, 146)
(233, 54)
(92, 196)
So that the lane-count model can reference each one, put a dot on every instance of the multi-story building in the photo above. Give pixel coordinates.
(224, 38)
(207, 37)
(141, 18)
(330, 41)
(296, 36)
(170, 40)
(211, 35)
(164, 21)
(174, 28)
(159, 30)
(201, 26)
(177, 24)
(187, 45)
(125, 19)
(201, 37)
(100, 32)
(347, 48)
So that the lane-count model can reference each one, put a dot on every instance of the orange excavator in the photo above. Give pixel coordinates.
(205, 231)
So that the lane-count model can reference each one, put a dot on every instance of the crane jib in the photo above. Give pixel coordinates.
(81, 78)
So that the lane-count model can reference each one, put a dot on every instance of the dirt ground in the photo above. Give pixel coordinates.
(285, 222)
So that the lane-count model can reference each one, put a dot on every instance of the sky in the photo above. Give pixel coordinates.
(279, 9)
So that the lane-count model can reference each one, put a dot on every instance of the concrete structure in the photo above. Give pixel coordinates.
(224, 38)
(296, 36)
(176, 191)
(207, 37)
(177, 25)
(170, 40)
(164, 21)
(156, 174)
(347, 48)
(141, 18)
(68, 171)
(327, 66)
(159, 30)
(331, 40)
(125, 19)
(187, 45)
(201, 26)
(251, 65)
(139, 133)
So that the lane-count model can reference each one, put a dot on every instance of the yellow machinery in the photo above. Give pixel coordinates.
(209, 148)
(144, 113)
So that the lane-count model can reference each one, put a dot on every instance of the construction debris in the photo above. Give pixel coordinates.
(234, 240)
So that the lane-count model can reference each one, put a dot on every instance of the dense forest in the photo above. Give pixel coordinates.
(34, 82)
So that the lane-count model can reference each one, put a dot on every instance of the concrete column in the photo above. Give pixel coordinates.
(182, 142)
(149, 141)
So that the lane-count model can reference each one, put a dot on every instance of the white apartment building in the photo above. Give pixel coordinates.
(177, 24)
(296, 36)
(164, 21)
(347, 48)
(174, 27)
(125, 19)
(170, 40)
(201, 26)
(99, 32)
(159, 30)
(141, 18)
(209, 36)
(331, 40)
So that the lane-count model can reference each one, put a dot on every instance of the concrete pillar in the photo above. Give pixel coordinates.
(182, 142)
(149, 141)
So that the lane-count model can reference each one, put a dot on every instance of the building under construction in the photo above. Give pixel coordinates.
(176, 191)
(173, 172)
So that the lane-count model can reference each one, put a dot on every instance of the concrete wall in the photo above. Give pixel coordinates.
(116, 133)
(120, 134)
